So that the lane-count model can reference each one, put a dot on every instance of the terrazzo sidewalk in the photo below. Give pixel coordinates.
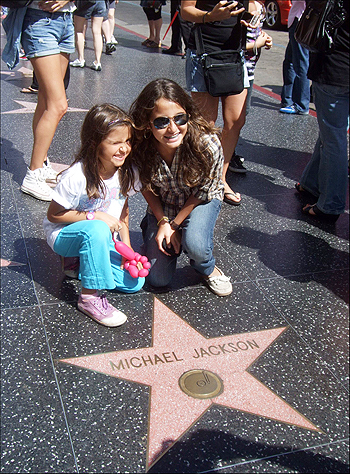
(255, 382)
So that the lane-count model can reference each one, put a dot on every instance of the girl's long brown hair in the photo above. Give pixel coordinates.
(195, 158)
(98, 123)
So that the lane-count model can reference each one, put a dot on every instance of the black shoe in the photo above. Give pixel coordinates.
(236, 164)
(173, 52)
(110, 48)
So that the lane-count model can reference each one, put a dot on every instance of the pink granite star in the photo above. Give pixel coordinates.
(220, 377)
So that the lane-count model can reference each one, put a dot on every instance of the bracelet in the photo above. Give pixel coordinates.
(203, 18)
(164, 218)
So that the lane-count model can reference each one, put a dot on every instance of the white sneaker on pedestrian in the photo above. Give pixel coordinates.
(34, 183)
(77, 63)
(50, 173)
(113, 40)
(219, 284)
(96, 66)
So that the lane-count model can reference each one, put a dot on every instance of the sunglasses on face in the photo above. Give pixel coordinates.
(163, 122)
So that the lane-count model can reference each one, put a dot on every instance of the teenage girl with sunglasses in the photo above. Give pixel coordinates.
(89, 205)
(180, 161)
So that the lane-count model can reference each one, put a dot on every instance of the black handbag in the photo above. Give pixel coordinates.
(222, 70)
(317, 27)
(15, 4)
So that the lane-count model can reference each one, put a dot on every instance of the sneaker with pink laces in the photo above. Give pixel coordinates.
(98, 308)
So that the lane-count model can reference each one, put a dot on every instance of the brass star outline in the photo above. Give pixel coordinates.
(171, 411)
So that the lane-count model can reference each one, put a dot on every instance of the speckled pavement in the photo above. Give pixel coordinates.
(255, 382)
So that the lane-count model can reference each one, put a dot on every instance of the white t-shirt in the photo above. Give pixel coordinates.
(70, 193)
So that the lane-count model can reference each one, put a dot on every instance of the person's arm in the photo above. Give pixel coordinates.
(59, 215)
(124, 222)
(171, 236)
(188, 207)
(221, 11)
(52, 5)
(262, 40)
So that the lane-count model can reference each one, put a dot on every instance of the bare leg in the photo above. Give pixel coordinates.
(233, 110)
(157, 28)
(106, 31)
(51, 106)
(207, 104)
(80, 29)
(152, 31)
(111, 20)
(96, 26)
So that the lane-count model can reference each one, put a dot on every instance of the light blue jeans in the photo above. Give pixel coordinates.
(92, 242)
(296, 85)
(326, 174)
(197, 243)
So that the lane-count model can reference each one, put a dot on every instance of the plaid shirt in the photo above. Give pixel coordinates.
(168, 182)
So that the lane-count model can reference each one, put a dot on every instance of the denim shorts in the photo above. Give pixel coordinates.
(194, 73)
(89, 10)
(44, 33)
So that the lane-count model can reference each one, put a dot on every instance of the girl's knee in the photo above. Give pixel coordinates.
(98, 231)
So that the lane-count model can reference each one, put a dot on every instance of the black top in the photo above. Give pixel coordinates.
(333, 68)
(219, 35)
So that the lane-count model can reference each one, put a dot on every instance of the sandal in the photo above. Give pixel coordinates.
(153, 44)
(302, 191)
(145, 43)
(230, 201)
(29, 90)
(299, 188)
(316, 212)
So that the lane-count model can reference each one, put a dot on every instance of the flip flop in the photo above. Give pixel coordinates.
(230, 201)
(29, 90)
(318, 213)
(302, 191)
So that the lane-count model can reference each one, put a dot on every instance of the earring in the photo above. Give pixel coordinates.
(145, 136)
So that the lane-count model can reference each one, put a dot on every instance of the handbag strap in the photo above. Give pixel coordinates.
(199, 40)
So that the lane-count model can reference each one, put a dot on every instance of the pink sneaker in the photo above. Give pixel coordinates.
(98, 308)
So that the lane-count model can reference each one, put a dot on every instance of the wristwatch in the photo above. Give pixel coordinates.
(90, 215)
(174, 225)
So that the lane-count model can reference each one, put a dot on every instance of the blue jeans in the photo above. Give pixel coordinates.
(197, 243)
(92, 242)
(296, 86)
(326, 174)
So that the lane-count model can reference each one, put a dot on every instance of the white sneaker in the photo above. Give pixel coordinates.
(34, 183)
(220, 284)
(77, 63)
(50, 173)
(96, 66)
(113, 40)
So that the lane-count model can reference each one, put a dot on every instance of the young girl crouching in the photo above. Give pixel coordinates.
(180, 162)
(89, 204)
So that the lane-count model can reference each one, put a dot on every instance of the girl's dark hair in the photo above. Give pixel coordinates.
(98, 123)
(195, 158)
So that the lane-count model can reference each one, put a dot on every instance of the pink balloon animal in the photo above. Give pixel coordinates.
(132, 259)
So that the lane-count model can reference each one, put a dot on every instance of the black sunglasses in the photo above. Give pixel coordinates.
(163, 122)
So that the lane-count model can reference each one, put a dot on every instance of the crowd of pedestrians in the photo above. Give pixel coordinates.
(179, 160)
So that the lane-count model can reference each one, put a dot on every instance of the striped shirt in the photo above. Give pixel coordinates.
(169, 185)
